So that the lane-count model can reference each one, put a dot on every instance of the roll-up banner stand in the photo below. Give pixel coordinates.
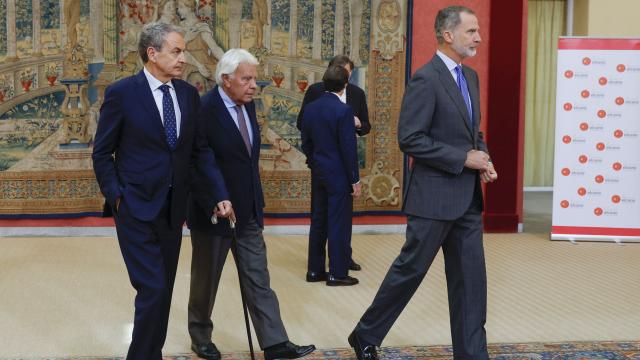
(596, 187)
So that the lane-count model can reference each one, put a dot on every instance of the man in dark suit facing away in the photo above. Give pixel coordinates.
(145, 143)
(357, 100)
(438, 127)
(353, 96)
(231, 129)
(329, 142)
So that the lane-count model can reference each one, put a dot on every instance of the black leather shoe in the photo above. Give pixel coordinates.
(354, 266)
(287, 350)
(206, 351)
(344, 281)
(313, 276)
(363, 351)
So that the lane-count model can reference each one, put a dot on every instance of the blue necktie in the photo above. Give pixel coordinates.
(462, 85)
(169, 115)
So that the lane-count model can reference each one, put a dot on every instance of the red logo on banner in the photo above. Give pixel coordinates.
(568, 74)
(615, 199)
(584, 126)
(621, 68)
(566, 171)
(618, 133)
(599, 179)
(582, 191)
(602, 81)
(564, 204)
(616, 166)
(600, 146)
(602, 114)
(619, 100)
(585, 93)
(597, 211)
(583, 159)
(586, 61)
(567, 106)
(566, 139)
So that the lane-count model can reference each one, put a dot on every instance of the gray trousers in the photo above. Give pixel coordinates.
(208, 258)
(461, 242)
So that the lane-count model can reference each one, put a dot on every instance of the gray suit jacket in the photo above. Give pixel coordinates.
(434, 129)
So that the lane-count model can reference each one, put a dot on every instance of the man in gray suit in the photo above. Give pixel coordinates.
(439, 129)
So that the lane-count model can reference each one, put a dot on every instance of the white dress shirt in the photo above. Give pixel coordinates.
(155, 84)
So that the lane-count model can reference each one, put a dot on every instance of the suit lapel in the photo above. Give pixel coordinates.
(452, 89)
(181, 93)
(227, 121)
(475, 97)
(255, 129)
(149, 103)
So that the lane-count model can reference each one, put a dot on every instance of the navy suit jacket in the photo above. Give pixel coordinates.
(356, 98)
(434, 129)
(240, 171)
(329, 142)
(132, 159)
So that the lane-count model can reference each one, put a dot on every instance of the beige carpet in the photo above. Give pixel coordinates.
(71, 296)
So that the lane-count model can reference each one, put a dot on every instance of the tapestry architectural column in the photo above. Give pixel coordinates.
(234, 11)
(316, 53)
(110, 31)
(11, 31)
(267, 30)
(63, 25)
(97, 30)
(338, 39)
(293, 27)
(37, 16)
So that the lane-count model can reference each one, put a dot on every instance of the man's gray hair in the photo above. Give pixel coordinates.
(230, 61)
(447, 20)
(153, 35)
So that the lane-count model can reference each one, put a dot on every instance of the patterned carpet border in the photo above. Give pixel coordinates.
(610, 350)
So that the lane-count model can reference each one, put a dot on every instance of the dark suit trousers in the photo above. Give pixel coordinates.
(150, 251)
(209, 255)
(331, 216)
(461, 242)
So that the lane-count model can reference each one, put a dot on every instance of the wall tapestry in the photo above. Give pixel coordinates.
(57, 57)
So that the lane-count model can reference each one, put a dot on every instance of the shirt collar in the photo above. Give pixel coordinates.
(153, 82)
(226, 99)
(451, 65)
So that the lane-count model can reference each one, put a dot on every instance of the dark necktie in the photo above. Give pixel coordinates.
(462, 85)
(169, 116)
(242, 125)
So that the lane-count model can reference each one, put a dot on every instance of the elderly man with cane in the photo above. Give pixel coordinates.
(230, 126)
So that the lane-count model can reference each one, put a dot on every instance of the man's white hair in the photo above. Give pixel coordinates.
(230, 61)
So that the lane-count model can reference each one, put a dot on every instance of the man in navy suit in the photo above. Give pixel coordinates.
(329, 142)
(356, 98)
(439, 128)
(230, 126)
(144, 147)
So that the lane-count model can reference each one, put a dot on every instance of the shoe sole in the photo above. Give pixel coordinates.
(341, 284)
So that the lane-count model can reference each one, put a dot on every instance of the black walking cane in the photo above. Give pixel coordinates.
(234, 251)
